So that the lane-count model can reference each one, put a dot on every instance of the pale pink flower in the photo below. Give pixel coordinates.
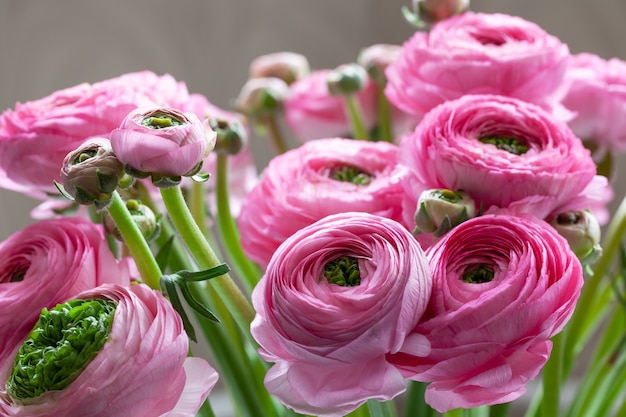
(502, 287)
(47, 263)
(36, 136)
(142, 370)
(477, 53)
(311, 112)
(303, 185)
(545, 167)
(329, 341)
(172, 150)
(597, 95)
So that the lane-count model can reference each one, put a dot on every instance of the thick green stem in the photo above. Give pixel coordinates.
(275, 134)
(238, 306)
(499, 410)
(552, 377)
(244, 268)
(355, 115)
(612, 242)
(136, 243)
(384, 116)
(415, 404)
(457, 412)
(381, 409)
(197, 206)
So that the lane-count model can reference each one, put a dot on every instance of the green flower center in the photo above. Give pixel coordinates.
(505, 143)
(161, 121)
(63, 342)
(343, 271)
(447, 195)
(84, 156)
(478, 274)
(352, 174)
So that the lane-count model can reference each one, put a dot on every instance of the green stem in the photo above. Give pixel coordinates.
(136, 243)
(238, 306)
(197, 206)
(552, 377)
(457, 412)
(362, 411)
(415, 404)
(499, 410)
(274, 134)
(384, 116)
(244, 268)
(206, 410)
(381, 408)
(615, 233)
(355, 115)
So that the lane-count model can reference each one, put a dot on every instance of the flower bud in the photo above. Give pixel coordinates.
(346, 79)
(261, 96)
(90, 173)
(428, 12)
(143, 217)
(162, 142)
(582, 231)
(376, 58)
(288, 66)
(438, 211)
(231, 135)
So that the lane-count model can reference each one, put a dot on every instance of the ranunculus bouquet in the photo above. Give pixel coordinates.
(432, 245)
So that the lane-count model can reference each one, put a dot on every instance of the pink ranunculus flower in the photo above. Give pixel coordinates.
(597, 95)
(502, 287)
(329, 338)
(162, 140)
(319, 178)
(311, 112)
(142, 370)
(477, 53)
(47, 263)
(502, 151)
(36, 136)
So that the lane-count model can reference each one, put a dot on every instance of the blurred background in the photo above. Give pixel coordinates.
(49, 45)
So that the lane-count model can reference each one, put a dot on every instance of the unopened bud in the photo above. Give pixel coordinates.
(288, 66)
(231, 135)
(143, 217)
(90, 173)
(428, 12)
(438, 211)
(582, 231)
(376, 58)
(346, 79)
(261, 96)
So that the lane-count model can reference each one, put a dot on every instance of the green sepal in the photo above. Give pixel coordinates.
(165, 182)
(412, 18)
(107, 183)
(201, 177)
(62, 190)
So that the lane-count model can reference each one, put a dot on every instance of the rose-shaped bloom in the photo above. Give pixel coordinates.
(37, 135)
(500, 150)
(336, 298)
(476, 53)
(163, 141)
(47, 263)
(311, 112)
(502, 287)
(319, 178)
(133, 364)
(597, 95)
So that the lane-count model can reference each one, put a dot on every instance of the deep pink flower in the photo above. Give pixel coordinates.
(47, 263)
(477, 53)
(597, 96)
(141, 371)
(305, 184)
(329, 340)
(502, 151)
(36, 136)
(502, 287)
(311, 112)
(171, 150)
